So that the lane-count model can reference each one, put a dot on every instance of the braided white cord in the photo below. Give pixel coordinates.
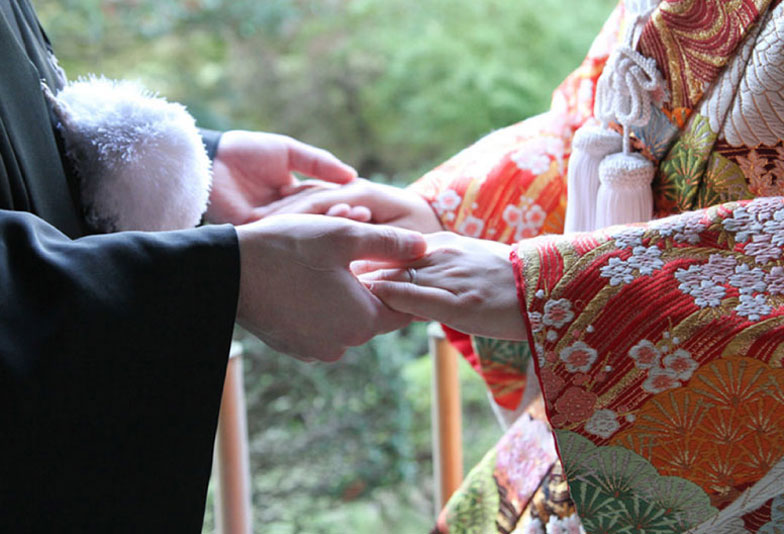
(625, 88)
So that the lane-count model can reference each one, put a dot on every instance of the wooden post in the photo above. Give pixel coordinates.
(446, 417)
(233, 514)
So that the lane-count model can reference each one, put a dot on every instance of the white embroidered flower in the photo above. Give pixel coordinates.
(578, 357)
(536, 163)
(719, 268)
(535, 320)
(690, 278)
(681, 228)
(618, 271)
(557, 312)
(764, 208)
(742, 223)
(681, 363)
(535, 216)
(512, 215)
(471, 226)
(525, 230)
(708, 294)
(646, 259)
(447, 200)
(748, 280)
(762, 249)
(690, 231)
(775, 227)
(645, 355)
(660, 380)
(629, 237)
(753, 307)
(551, 336)
(775, 281)
(567, 525)
(603, 423)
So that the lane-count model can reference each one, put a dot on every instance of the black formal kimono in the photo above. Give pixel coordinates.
(112, 347)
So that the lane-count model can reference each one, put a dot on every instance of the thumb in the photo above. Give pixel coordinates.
(318, 163)
(379, 242)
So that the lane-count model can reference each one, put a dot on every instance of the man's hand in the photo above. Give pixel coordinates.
(250, 168)
(360, 200)
(297, 292)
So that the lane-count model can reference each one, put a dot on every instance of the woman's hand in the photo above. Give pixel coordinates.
(360, 200)
(252, 168)
(467, 284)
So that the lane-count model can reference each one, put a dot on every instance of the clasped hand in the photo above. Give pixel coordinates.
(465, 283)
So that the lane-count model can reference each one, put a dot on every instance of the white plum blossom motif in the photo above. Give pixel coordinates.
(567, 525)
(535, 162)
(690, 278)
(708, 294)
(764, 208)
(603, 423)
(753, 307)
(702, 285)
(775, 281)
(681, 363)
(526, 220)
(719, 268)
(618, 271)
(645, 355)
(578, 357)
(742, 223)
(629, 237)
(660, 380)
(775, 227)
(447, 200)
(535, 320)
(748, 280)
(471, 226)
(557, 312)
(646, 259)
(513, 216)
(682, 229)
(762, 248)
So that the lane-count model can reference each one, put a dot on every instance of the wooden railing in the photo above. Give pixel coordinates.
(233, 512)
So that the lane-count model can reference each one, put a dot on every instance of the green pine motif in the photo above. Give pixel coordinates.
(724, 182)
(682, 170)
(474, 506)
(616, 491)
(514, 354)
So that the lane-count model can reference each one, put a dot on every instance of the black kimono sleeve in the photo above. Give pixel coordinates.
(112, 358)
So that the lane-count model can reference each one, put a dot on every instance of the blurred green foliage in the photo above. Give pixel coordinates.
(392, 87)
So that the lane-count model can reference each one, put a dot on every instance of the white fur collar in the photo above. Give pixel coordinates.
(140, 159)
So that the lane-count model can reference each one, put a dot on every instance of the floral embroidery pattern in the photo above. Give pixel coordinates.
(603, 423)
(557, 312)
(578, 357)
(667, 398)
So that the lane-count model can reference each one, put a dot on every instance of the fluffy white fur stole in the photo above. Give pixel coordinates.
(140, 159)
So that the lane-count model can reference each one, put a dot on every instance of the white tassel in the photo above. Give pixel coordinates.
(625, 190)
(590, 145)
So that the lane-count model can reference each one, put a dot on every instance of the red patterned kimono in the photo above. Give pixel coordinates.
(657, 347)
